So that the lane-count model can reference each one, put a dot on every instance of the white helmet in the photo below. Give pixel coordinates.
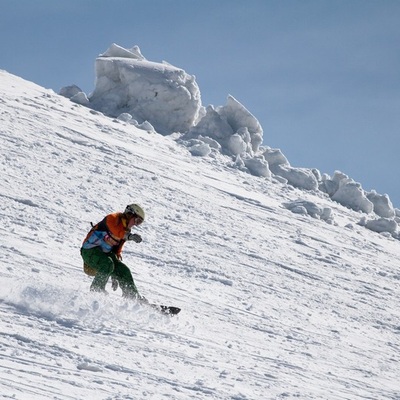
(134, 209)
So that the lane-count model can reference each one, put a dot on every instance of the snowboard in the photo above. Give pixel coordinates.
(167, 310)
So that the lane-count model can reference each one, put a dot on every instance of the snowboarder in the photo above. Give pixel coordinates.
(101, 251)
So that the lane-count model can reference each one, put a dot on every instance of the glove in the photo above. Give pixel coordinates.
(114, 283)
(135, 237)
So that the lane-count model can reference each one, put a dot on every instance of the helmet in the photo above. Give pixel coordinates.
(134, 209)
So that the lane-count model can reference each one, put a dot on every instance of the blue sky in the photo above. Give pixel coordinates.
(322, 77)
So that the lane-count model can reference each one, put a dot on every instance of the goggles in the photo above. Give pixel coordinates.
(136, 218)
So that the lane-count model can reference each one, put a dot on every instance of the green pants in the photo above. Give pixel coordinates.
(106, 265)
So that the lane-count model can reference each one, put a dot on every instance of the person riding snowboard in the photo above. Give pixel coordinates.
(101, 251)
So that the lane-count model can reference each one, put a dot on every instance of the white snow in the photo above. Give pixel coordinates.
(284, 292)
(160, 93)
(159, 97)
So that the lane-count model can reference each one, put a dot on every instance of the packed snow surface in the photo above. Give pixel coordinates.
(285, 293)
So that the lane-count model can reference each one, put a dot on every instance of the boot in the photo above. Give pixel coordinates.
(99, 283)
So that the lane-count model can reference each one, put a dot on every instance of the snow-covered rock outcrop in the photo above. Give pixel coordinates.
(164, 95)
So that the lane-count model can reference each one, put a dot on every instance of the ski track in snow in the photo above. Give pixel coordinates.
(274, 305)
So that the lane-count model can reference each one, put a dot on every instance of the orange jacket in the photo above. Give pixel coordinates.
(111, 233)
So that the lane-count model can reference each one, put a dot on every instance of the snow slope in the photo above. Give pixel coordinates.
(276, 305)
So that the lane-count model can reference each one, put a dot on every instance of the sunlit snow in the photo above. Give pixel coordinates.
(160, 97)
(288, 278)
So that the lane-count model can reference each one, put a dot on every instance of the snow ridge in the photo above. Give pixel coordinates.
(161, 98)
